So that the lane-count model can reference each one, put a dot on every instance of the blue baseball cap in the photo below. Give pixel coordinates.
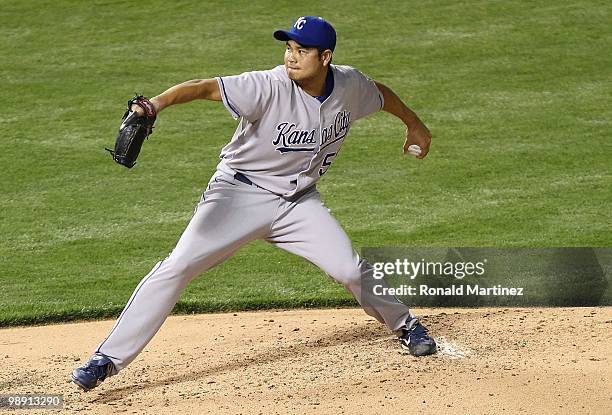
(310, 31)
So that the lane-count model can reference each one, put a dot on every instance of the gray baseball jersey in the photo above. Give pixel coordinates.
(284, 143)
(287, 139)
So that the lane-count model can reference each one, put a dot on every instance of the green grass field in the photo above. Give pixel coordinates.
(516, 93)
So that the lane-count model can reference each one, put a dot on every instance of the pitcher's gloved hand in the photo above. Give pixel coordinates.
(136, 125)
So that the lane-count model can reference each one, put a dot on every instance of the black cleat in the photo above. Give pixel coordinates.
(92, 373)
(415, 339)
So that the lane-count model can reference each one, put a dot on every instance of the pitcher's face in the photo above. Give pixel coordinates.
(303, 63)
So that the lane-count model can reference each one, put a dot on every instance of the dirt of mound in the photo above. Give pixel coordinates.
(339, 361)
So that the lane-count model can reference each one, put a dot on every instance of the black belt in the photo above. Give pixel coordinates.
(242, 178)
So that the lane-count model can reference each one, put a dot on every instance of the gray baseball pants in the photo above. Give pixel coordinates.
(229, 215)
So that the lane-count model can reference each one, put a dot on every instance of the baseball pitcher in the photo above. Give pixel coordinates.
(293, 120)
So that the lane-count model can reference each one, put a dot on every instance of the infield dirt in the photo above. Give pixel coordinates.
(333, 361)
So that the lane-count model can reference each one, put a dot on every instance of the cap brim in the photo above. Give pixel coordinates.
(281, 35)
(285, 35)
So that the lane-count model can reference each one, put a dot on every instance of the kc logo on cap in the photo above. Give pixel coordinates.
(299, 23)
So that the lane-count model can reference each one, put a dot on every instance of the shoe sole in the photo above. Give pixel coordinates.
(420, 349)
(80, 385)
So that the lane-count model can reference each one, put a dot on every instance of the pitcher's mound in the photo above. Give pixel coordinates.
(490, 361)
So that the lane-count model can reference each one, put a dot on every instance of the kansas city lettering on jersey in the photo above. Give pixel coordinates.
(337, 130)
(290, 138)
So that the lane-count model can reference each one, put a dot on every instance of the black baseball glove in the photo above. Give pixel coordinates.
(133, 131)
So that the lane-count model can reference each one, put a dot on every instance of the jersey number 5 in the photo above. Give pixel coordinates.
(326, 163)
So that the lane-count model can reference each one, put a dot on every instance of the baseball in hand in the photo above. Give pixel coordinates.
(415, 150)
